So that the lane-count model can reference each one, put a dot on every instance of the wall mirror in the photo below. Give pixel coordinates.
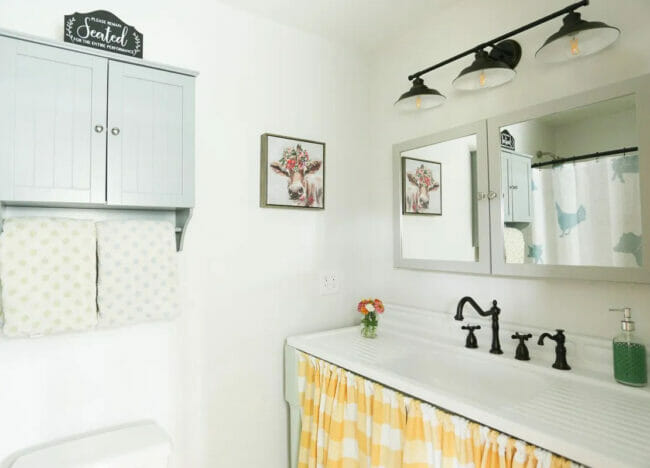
(572, 187)
(440, 182)
(566, 194)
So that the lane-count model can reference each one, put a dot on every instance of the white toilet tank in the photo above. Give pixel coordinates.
(144, 445)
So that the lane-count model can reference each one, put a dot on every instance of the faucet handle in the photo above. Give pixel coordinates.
(471, 341)
(521, 353)
(522, 338)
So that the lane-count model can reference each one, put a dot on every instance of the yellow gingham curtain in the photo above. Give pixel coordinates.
(351, 422)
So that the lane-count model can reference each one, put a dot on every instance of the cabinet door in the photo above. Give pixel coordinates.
(51, 100)
(505, 188)
(151, 137)
(520, 186)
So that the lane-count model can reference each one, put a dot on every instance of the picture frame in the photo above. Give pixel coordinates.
(421, 187)
(292, 172)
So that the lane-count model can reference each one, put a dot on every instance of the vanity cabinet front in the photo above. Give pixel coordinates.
(85, 129)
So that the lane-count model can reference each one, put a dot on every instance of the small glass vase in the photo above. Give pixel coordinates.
(369, 326)
(368, 331)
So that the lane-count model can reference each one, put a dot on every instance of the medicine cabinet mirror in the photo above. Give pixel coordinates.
(440, 182)
(565, 194)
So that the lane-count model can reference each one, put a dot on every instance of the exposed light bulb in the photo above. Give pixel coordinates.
(574, 46)
(418, 102)
(481, 78)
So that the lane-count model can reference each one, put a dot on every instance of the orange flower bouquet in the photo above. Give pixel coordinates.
(370, 308)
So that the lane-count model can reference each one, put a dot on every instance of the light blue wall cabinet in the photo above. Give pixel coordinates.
(150, 138)
(50, 101)
(516, 180)
(85, 128)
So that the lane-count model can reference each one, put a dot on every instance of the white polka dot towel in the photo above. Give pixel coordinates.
(48, 275)
(137, 272)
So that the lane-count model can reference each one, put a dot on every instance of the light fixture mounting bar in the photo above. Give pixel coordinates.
(494, 41)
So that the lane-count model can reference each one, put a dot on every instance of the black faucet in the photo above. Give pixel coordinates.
(560, 349)
(493, 312)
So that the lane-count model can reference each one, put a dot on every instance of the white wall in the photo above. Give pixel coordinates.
(599, 133)
(250, 273)
(532, 136)
(579, 306)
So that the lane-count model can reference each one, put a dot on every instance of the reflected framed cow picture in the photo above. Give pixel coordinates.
(421, 187)
(292, 172)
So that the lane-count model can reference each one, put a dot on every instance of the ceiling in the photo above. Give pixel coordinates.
(362, 24)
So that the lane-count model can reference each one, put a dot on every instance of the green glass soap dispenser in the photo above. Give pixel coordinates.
(630, 366)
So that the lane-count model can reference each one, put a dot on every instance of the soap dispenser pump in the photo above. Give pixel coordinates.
(630, 367)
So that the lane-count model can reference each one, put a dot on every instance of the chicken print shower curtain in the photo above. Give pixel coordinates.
(587, 213)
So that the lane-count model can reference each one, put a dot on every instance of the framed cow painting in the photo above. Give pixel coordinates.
(421, 187)
(292, 172)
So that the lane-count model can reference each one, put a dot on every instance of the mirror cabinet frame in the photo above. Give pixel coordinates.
(490, 222)
(482, 263)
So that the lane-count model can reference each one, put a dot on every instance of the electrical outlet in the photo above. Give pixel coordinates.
(329, 283)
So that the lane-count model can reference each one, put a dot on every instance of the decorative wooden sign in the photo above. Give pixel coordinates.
(103, 30)
(507, 140)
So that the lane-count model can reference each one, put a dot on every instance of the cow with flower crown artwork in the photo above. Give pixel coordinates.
(296, 175)
(421, 192)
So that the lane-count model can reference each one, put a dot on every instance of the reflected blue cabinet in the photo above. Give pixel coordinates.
(86, 127)
(516, 182)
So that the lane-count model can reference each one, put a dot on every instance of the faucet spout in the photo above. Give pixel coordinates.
(461, 304)
(477, 308)
(560, 348)
(540, 341)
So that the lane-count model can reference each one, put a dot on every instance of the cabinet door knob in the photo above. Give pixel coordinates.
(99, 128)
(115, 131)
(514, 187)
(481, 196)
(492, 195)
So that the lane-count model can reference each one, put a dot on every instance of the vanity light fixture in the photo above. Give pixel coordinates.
(490, 69)
(419, 97)
(575, 38)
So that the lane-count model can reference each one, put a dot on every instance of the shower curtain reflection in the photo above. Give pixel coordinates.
(586, 213)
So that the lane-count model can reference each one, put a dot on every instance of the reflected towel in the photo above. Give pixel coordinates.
(514, 245)
(48, 270)
(137, 273)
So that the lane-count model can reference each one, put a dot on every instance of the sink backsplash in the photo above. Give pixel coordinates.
(586, 354)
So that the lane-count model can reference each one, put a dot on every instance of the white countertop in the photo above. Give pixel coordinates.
(580, 414)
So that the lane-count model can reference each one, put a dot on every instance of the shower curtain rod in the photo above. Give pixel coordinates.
(586, 156)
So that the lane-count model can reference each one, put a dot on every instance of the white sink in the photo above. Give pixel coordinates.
(579, 414)
(472, 378)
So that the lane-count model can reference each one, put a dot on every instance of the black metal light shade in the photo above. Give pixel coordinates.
(490, 70)
(577, 38)
(419, 97)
